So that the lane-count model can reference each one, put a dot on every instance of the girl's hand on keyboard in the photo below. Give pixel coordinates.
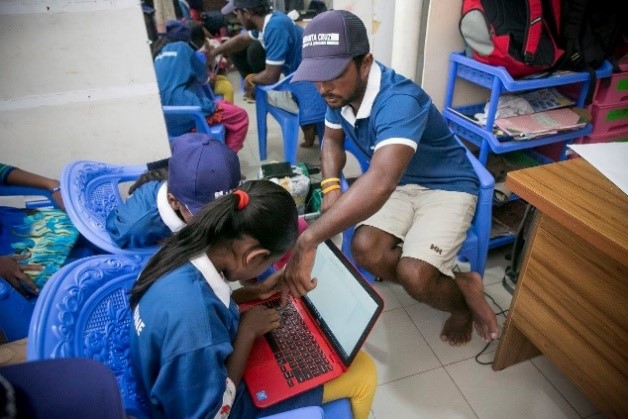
(259, 320)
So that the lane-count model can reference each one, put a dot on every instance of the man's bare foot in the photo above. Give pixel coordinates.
(457, 330)
(484, 319)
(307, 144)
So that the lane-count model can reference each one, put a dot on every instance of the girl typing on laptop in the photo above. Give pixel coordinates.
(189, 344)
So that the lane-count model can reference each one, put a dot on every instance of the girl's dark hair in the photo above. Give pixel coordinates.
(159, 175)
(197, 37)
(157, 46)
(270, 217)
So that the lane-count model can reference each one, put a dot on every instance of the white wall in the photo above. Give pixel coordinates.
(441, 38)
(77, 83)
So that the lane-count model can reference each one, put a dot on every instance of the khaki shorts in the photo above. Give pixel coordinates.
(432, 224)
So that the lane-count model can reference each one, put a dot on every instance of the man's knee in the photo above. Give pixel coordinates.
(417, 277)
(365, 249)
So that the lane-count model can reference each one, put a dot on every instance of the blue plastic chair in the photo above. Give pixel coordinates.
(179, 114)
(83, 312)
(312, 110)
(90, 191)
(475, 247)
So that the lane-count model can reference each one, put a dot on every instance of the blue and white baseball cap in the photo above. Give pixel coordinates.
(201, 169)
(330, 41)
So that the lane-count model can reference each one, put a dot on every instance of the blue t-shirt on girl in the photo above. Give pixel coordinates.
(181, 336)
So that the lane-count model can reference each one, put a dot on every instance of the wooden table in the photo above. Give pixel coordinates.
(571, 298)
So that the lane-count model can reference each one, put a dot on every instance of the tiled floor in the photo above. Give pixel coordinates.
(421, 377)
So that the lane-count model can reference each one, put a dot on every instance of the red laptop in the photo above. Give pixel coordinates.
(320, 333)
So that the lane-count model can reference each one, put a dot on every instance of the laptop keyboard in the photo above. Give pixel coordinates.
(299, 356)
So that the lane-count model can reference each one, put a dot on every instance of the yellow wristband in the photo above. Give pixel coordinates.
(330, 188)
(249, 79)
(330, 179)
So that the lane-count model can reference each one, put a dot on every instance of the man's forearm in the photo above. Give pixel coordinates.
(333, 158)
(237, 43)
(365, 197)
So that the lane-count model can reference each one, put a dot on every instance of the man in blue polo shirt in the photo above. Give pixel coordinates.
(278, 35)
(414, 204)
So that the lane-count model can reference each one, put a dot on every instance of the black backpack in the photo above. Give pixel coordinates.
(590, 31)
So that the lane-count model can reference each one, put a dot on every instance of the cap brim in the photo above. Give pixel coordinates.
(228, 9)
(321, 69)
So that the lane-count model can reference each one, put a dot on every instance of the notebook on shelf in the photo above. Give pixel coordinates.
(526, 127)
(337, 316)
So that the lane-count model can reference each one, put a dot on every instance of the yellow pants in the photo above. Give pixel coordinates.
(222, 86)
(358, 384)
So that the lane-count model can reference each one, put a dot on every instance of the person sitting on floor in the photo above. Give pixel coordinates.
(180, 76)
(199, 169)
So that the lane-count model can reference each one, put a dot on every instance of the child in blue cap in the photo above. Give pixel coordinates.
(200, 169)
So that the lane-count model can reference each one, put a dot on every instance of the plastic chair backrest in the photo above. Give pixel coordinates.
(14, 190)
(176, 114)
(90, 191)
(475, 247)
(83, 312)
(312, 109)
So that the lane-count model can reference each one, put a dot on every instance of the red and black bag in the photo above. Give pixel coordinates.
(516, 34)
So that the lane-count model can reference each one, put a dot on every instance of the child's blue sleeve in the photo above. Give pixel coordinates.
(137, 223)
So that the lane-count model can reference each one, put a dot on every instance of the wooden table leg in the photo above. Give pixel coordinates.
(516, 347)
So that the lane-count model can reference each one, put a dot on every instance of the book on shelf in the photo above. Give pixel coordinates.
(539, 124)
(546, 99)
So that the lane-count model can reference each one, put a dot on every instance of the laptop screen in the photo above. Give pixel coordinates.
(343, 303)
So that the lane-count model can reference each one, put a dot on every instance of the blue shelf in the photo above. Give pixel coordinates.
(498, 81)
(477, 134)
(486, 75)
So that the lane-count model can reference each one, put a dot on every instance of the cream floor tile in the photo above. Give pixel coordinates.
(391, 301)
(398, 348)
(429, 395)
(430, 323)
(519, 391)
(567, 388)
